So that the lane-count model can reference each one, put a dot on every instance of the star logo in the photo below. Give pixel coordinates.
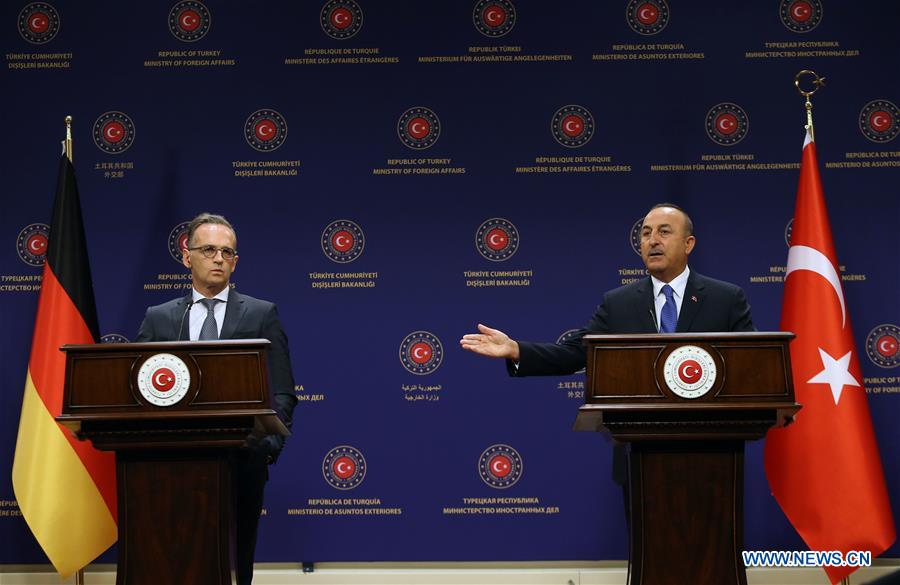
(836, 374)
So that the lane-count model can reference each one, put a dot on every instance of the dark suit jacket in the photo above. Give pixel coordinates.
(709, 305)
(245, 318)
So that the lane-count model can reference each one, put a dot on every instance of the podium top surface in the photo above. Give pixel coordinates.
(168, 345)
(684, 337)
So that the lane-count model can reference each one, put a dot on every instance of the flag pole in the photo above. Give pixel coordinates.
(79, 574)
(68, 141)
(817, 84)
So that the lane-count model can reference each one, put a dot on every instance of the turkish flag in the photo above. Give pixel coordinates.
(824, 469)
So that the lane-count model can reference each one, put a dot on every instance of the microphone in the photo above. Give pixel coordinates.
(183, 315)
(653, 316)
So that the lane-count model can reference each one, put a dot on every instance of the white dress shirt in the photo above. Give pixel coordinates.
(678, 284)
(198, 312)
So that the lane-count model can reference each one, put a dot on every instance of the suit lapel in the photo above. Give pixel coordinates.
(646, 307)
(691, 303)
(179, 318)
(234, 312)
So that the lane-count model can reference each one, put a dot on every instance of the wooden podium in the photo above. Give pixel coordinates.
(173, 412)
(686, 403)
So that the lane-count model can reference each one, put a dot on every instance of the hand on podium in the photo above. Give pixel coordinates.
(491, 342)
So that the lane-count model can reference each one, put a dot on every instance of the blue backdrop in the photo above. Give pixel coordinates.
(400, 171)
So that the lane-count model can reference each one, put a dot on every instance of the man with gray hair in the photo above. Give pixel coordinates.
(214, 310)
(672, 299)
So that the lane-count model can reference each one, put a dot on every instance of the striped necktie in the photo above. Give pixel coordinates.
(669, 315)
(209, 330)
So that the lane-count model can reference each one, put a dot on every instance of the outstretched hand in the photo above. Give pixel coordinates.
(491, 342)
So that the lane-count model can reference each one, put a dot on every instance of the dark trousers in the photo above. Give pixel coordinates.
(249, 475)
(620, 476)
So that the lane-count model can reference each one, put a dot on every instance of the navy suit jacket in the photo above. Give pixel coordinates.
(245, 318)
(709, 305)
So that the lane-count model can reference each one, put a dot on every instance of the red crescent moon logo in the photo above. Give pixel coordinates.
(39, 22)
(494, 15)
(647, 14)
(727, 123)
(163, 379)
(500, 466)
(690, 371)
(342, 241)
(341, 18)
(420, 352)
(37, 244)
(183, 241)
(881, 121)
(265, 130)
(189, 20)
(887, 346)
(418, 128)
(496, 239)
(343, 467)
(572, 125)
(801, 11)
(114, 131)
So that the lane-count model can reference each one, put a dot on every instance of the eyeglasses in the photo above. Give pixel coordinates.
(211, 251)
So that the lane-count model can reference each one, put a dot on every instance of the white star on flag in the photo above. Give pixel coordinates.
(836, 374)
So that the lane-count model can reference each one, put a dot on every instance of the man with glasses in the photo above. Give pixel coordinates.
(213, 310)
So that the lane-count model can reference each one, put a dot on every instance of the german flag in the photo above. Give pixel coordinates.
(65, 488)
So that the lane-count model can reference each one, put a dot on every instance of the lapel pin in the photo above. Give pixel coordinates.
(694, 298)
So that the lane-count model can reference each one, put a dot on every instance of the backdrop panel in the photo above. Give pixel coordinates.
(400, 171)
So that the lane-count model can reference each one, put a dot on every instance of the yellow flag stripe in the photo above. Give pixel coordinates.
(56, 494)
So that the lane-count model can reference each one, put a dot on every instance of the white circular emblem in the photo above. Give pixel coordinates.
(164, 379)
(690, 371)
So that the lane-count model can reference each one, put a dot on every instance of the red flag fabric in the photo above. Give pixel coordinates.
(65, 488)
(825, 470)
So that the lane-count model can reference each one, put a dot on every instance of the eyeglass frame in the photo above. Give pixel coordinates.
(215, 250)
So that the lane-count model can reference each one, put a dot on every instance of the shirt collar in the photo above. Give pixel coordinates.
(222, 296)
(678, 284)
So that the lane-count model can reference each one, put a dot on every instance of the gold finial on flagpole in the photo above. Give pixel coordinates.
(68, 141)
(818, 83)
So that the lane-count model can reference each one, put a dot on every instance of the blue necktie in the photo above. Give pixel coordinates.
(209, 330)
(669, 315)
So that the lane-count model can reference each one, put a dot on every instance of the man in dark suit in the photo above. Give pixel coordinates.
(214, 310)
(673, 299)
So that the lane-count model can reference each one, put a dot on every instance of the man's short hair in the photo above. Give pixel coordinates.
(688, 224)
(205, 218)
